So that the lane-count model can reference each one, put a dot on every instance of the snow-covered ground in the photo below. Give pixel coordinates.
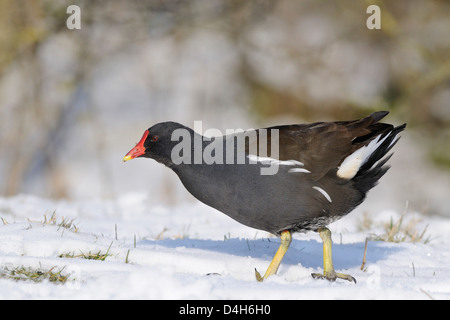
(191, 251)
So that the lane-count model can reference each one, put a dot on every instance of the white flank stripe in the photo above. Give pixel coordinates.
(350, 166)
(268, 160)
(323, 192)
(292, 163)
(299, 170)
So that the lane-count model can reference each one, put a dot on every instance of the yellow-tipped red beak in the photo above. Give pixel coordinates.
(138, 150)
(126, 158)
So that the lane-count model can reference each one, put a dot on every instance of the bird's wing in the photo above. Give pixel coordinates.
(323, 146)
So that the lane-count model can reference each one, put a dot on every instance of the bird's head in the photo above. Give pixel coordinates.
(157, 143)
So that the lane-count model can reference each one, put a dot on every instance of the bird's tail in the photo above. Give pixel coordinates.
(374, 167)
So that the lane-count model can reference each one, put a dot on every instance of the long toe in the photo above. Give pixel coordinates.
(333, 276)
(258, 276)
(346, 277)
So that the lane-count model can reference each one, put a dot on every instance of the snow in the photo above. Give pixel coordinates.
(191, 251)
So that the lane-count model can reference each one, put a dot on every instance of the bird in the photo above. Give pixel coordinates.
(314, 174)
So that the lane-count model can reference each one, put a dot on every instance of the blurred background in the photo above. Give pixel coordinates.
(73, 102)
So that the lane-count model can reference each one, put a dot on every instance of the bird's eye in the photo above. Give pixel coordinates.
(155, 138)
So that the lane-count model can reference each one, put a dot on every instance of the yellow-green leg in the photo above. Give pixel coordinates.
(328, 269)
(286, 239)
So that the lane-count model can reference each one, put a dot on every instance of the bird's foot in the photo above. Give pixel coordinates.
(286, 239)
(332, 276)
(258, 276)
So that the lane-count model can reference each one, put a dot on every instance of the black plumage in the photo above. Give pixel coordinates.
(324, 170)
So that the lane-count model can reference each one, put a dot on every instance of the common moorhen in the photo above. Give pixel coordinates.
(313, 175)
